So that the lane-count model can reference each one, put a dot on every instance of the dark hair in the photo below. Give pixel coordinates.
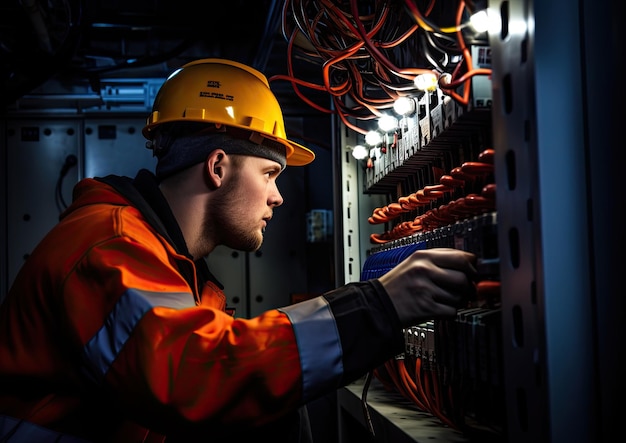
(181, 145)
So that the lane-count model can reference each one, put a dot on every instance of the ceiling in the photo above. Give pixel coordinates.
(88, 42)
(85, 41)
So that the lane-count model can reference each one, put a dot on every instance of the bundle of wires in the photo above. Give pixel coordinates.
(370, 52)
(414, 374)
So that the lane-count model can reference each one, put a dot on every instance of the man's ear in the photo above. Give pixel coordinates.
(215, 166)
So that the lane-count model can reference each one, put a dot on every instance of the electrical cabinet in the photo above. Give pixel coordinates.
(556, 253)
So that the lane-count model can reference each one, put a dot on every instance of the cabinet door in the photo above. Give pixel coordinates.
(38, 151)
(116, 146)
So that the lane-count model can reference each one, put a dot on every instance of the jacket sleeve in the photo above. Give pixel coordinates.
(343, 334)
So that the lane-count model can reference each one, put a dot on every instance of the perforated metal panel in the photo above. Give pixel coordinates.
(36, 153)
(543, 207)
(116, 146)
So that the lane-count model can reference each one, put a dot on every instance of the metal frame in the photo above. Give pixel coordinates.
(542, 146)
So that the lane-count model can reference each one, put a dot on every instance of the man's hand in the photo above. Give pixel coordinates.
(431, 284)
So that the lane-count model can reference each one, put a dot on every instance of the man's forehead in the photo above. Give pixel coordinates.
(259, 162)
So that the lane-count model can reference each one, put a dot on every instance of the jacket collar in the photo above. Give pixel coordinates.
(143, 192)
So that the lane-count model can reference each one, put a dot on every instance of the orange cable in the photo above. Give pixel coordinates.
(410, 386)
(436, 411)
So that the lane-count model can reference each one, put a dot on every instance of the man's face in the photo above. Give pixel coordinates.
(244, 204)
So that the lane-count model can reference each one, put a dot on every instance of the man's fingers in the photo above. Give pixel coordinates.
(459, 260)
(452, 279)
(455, 298)
(431, 283)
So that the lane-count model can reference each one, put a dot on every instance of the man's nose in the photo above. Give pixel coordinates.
(276, 199)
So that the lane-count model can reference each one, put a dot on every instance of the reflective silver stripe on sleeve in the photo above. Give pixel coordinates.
(103, 348)
(319, 345)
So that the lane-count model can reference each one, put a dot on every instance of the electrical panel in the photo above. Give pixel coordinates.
(506, 360)
(439, 191)
(412, 91)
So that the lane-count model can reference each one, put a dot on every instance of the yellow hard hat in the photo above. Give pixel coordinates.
(228, 93)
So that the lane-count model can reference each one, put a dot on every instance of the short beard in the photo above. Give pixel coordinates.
(218, 220)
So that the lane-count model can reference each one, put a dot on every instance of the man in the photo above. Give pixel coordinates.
(116, 331)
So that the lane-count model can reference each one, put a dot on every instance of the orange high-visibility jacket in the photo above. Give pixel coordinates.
(110, 329)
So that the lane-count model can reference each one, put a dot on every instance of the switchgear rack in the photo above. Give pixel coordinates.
(558, 255)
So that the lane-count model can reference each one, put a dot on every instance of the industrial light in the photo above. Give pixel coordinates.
(446, 78)
(387, 123)
(479, 21)
(404, 106)
(360, 152)
(426, 82)
(373, 138)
